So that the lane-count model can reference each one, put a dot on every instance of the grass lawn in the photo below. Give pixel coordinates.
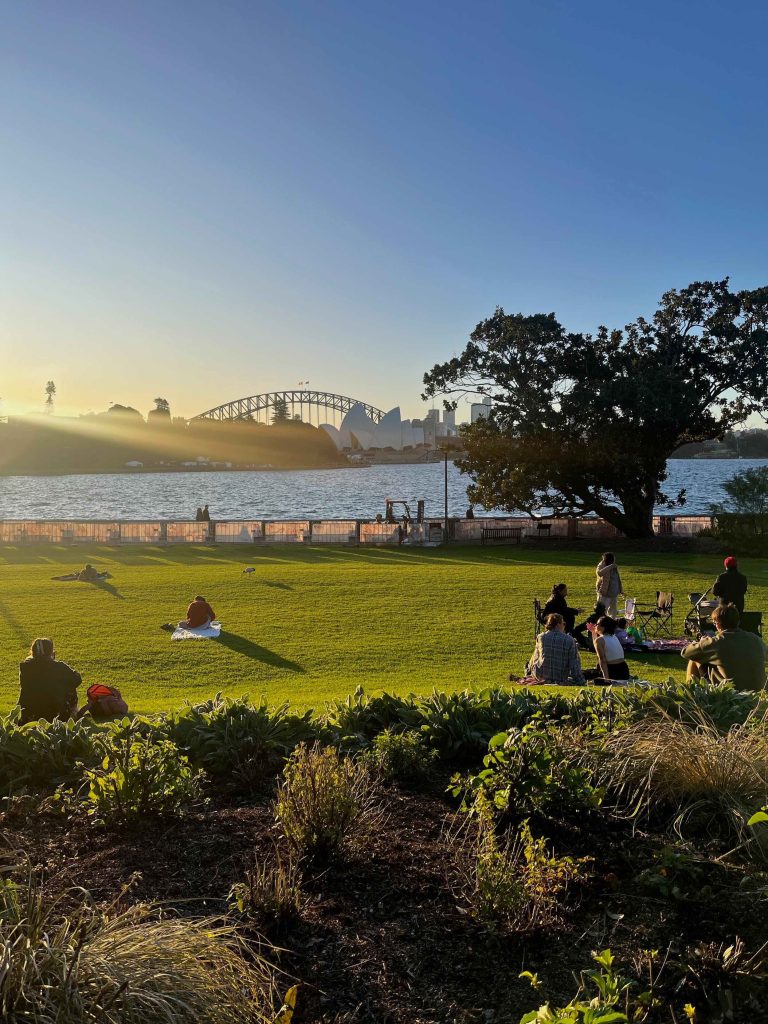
(311, 624)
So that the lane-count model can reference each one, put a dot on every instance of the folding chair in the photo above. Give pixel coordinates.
(656, 619)
(629, 612)
(752, 622)
(537, 617)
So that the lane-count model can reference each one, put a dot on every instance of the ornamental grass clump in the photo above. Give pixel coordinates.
(327, 804)
(272, 894)
(67, 962)
(703, 778)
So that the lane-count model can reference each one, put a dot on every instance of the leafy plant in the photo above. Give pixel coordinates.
(604, 997)
(67, 961)
(531, 769)
(326, 803)
(352, 723)
(401, 757)
(140, 776)
(518, 883)
(46, 754)
(239, 742)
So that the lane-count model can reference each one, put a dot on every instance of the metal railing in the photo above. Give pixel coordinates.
(324, 531)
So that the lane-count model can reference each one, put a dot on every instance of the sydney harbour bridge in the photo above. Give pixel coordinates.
(311, 406)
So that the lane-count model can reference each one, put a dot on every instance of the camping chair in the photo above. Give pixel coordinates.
(655, 619)
(629, 611)
(538, 617)
(752, 622)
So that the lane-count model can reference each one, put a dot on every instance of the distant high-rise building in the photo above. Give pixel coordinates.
(480, 410)
(449, 423)
(432, 426)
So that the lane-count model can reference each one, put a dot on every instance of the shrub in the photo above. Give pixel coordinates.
(85, 965)
(272, 893)
(46, 754)
(239, 742)
(326, 803)
(703, 777)
(535, 768)
(518, 883)
(401, 757)
(352, 723)
(140, 776)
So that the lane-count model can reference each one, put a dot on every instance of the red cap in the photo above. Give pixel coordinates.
(730, 562)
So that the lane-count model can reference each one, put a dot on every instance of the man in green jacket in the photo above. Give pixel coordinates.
(732, 655)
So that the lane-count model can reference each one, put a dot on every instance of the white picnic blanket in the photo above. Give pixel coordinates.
(209, 632)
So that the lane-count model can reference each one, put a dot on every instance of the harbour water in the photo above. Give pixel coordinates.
(291, 494)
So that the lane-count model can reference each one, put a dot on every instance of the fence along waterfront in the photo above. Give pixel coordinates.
(308, 531)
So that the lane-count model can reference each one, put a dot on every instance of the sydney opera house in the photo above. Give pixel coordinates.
(358, 430)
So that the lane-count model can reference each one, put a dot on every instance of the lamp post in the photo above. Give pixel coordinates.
(444, 450)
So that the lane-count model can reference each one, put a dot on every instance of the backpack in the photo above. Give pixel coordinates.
(104, 702)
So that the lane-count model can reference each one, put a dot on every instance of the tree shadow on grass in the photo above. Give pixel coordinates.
(13, 623)
(242, 645)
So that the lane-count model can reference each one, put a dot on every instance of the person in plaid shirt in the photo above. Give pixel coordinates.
(556, 657)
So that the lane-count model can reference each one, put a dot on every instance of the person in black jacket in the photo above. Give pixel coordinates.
(582, 634)
(47, 688)
(558, 605)
(731, 585)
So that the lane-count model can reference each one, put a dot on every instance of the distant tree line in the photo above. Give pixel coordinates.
(105, 442)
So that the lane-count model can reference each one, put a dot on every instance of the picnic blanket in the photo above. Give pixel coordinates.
(666, 646)
(209, 632)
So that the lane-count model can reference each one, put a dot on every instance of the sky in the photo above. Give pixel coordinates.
(205, 200)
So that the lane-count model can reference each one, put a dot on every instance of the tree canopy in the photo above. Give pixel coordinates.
(585, 423)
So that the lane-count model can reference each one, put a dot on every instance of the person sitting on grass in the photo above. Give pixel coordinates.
(199, 614)
(731, 655)
(558, 605)
(47, 688)
(555, 658)
(582, 633)
(621, 633)
(610, 653)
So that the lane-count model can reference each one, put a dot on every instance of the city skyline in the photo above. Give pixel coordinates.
(195, 197)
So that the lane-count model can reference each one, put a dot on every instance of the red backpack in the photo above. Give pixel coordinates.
(105, 702)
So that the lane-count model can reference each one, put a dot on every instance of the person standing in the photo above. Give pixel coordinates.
(206, 515)
(608, 583)
(47, 688)
(731, 585)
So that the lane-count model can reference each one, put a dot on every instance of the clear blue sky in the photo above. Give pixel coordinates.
(207, 199)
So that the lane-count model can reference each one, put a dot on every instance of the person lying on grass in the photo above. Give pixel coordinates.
(47, 688)
(555, 658)
(199, 614)
(731, 655)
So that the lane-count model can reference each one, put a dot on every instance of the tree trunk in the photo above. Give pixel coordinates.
(635, 518)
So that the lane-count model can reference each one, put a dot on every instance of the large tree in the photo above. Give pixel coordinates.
(585, 423)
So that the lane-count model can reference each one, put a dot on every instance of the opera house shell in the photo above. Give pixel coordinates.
(358, 430)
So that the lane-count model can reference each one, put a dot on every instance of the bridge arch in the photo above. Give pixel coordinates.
(260, 407)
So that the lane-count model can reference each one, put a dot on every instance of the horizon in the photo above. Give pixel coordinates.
(265, 193)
